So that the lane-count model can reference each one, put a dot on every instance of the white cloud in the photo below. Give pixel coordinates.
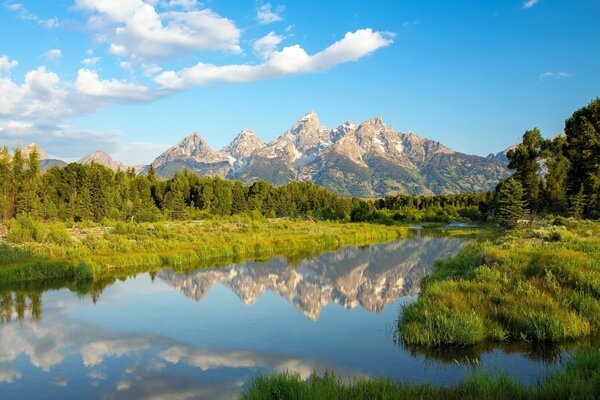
(37, 110)
(266, 15)
(53, 54)
(7, 65)
(185, 4)
(150, 70)
(90, 61)
(89, 83)
(267, 44)
(290, 60)
(133, 27)
(530, 3)
(555, 75)
(24, 14)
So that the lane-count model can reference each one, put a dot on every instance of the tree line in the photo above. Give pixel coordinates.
(78, 192)
(559, 176)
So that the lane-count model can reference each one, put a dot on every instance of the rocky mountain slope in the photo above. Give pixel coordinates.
(366, 160)
(370, 159)
(103, 158)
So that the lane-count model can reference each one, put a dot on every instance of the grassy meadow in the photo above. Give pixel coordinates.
(535, 283)
(579, 380)
(32, 251)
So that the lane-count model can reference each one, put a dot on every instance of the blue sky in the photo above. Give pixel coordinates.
(133, 76)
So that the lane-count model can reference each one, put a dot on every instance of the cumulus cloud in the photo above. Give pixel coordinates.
(529, 3)
(290, 60)
(38, 110)
(136, 27)
(266, 15)
(89, 83)
(265, 46)
(7, 65)
(53, 54)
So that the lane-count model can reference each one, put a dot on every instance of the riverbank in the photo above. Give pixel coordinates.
(579, 380)
(36, 251)
(535, 283)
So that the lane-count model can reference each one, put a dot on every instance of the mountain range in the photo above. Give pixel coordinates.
(366, 160)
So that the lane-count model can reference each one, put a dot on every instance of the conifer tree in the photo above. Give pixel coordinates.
(524, 160)
(582, 130)
(555, 190)
(578, 203)
(511, 206)
(5, 180)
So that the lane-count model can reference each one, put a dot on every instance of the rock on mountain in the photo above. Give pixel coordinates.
(368, 160)
(501, 156)
(45, 162)
(102, 158)
(194, 154)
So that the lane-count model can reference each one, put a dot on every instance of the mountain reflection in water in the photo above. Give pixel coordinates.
(370, 277)
(139, 337)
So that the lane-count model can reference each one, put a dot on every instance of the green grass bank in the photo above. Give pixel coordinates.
(579, 380)
(534, 283)
(34, 251)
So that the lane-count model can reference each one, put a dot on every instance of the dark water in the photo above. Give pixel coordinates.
(206, 333)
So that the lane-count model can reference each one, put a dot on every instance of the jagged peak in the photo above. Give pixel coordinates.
(374, 122)
(312, 114)
(310, 120)
(244, 144)
(97, 154)
(194, 138)
(348, 125)
(246, 132)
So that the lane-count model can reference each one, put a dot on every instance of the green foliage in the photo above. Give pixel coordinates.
(511, 206)
(524, 160)
(578, 203)
(582, 131)
(36, 248)
(536, 284)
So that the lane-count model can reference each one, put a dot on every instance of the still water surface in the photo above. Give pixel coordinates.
(206, 333)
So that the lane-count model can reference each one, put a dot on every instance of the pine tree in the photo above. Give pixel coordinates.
(238, 201)
(17, 182)
(5, 178)
(578, 203)
(555, 191)
(151, 173)
(583, 151)
(511, 206)
(524, 160)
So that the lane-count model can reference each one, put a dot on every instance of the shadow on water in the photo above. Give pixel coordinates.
(541, 352)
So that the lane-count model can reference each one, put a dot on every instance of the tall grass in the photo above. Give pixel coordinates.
(36, 251)
(535, 284)
(580, 380)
